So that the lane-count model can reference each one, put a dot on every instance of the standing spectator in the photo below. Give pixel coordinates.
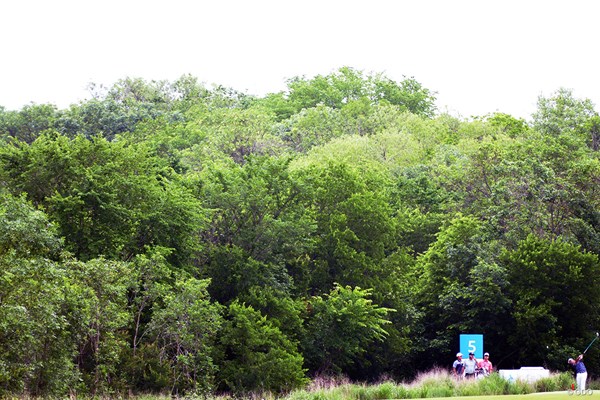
(580, 372)
(470, 366)
(486, 364)
(458, 366)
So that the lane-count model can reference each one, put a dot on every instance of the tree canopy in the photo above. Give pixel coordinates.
(170, 237)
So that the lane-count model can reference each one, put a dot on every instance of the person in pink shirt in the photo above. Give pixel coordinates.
(486, 364)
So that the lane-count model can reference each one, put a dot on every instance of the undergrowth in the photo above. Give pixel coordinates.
(435, 383)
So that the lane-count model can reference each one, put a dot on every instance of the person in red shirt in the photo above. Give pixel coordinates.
(486, 364)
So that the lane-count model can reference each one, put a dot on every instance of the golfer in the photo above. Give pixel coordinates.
(580, 372)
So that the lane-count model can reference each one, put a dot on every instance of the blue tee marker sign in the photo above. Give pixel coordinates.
(471, 343)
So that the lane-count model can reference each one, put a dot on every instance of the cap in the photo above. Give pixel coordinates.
(570, 360)
(458, 354)
(486, 354)
(471, 353)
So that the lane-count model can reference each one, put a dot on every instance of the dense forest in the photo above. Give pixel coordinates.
(170, 237)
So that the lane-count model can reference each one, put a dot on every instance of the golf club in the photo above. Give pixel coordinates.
(592, 342)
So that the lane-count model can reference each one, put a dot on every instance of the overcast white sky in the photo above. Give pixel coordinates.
(480, 56)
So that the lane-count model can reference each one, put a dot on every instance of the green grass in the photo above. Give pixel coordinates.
(532, 396)
(384, 394)
(439, 384)
(435, 384)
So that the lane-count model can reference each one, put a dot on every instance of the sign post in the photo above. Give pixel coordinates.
(472, 343)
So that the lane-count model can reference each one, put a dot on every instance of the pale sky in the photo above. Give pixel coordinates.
(480, 56)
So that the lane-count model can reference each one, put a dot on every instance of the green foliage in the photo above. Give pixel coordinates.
(37, 355)
(107, 198)
(98, 316)
(167, 237)
(283, 311)
(233, 273)
(105, 118)
(459, 287)
(561, 113)
(340, 326)
(508, 124)
(535, 186)
(29, 123)
(353, 223)
(348, 85)
(255, 355)
(554, 383)
(235, 133)
(256, 207)
(550, 279)
(26, 232)
(186, 328)
(310, 127)
(143, 367)
(258, 223)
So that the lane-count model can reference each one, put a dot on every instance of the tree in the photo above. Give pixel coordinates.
(257, 224)
(561, 113)
(354, 225)
(107, 118)
(507, 124)
(409, 95)
(256, 207)
(554, 289)
(282, 310)
(457, 279)
(310, 127)
(185, 329)
(593, 127)
(233, 273)
(96, 293)
(108, 198)
(235, 133)
(37, 353)
(255, 355)
(26, 232)
(536, 184)
(144, 368)
(28, 123)
(339, 327)
(348, 85)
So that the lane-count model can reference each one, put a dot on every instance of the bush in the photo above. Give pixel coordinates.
(493, 385)
(256, 355)
(383, 390)
(592, 384)
(554, 383)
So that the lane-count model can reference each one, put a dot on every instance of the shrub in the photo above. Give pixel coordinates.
(492, 385)
(554, 383)
(257, 356)
(383, 390)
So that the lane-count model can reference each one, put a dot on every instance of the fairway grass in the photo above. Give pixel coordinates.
(542, 396)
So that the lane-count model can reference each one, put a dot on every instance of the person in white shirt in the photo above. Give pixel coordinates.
(470, 366)
(458, 366)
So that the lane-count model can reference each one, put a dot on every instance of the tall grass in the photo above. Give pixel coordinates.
(435, 383)
(554, 383)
